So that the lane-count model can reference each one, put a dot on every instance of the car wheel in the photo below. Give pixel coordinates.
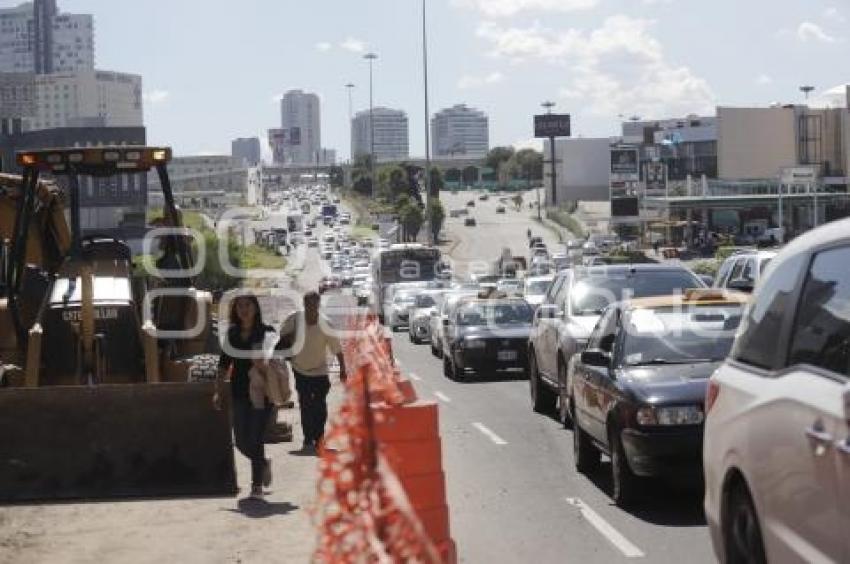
(564, 413)
(585, 453)
(542, 398)
(434, 350)
(624, 481)
(447, 368)
(742, 538)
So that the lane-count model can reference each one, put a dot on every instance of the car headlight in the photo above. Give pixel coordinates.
(473, 343)
(674, 415)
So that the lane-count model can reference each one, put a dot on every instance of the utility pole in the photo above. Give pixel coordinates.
(371, 58)
(431, 235)
(549, 105)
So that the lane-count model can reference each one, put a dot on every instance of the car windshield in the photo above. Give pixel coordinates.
(404, 299)
(679, 335)
(494, 313)
(537, 287)
(590, 295)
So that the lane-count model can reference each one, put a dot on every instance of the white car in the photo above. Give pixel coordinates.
(776, 451)
(450, 299)
(535, 289)
(510, 286)
(426, 305)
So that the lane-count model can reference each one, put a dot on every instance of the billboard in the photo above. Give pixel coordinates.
(625, 207)
(552, 125)
(624, 161)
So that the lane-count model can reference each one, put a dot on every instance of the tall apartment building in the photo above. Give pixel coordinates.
(299, 138)
(87, 99)
(247, 149)
(460, 131)
(35, 37)
(392, 139)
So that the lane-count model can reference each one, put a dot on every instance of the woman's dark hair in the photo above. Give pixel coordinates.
(258, 316)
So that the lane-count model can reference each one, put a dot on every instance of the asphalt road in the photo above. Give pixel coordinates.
(513, 490)
(493, 232)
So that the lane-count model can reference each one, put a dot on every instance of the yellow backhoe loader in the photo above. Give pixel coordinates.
(105, 372)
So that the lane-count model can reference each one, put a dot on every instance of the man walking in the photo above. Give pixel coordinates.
(309, 364)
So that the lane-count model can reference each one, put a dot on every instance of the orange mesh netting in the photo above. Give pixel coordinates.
(362, 511)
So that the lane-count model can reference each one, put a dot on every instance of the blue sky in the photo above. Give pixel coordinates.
(212, 68)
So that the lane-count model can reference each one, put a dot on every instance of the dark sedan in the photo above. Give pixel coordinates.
(486, 335)
(639, 386)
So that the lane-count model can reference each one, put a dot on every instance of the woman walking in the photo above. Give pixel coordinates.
(246, 332)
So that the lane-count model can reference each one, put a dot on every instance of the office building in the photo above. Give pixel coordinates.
(686, 146)
(246, 148)
(87, 99)
(582, 169)
(460, 131)
(36, 38)
(392, 139)
(299, 139)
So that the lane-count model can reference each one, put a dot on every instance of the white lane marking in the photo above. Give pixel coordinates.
(490, 434)
(443, 397)
(606, 529)
(414, 377)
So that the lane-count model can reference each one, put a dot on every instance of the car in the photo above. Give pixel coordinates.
(312, 242)
(535, 241)
(483, 197)
(470, 203)
(399, 300)
(776, 454)
(450, 300)
(742, 270)
(486, 335)
(500, 209)
(469, 222)
(561, 261)
(329, 283)
(570, 310)
(639, 387)
(419, 325)
(535, 288)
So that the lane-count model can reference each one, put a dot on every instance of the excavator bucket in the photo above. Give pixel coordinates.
(114, 441)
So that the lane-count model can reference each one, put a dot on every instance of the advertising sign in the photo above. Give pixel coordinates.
(624, 207)
(624, 161)
(552, 125)
(799, 175)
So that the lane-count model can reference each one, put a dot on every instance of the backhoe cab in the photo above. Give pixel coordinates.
(106, 376)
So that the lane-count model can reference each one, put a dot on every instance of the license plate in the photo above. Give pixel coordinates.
(505, 356)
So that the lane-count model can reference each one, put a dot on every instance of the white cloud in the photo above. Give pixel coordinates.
(764, 79)
(508, 8)
(834, 15)
(808, 31)
(156, 96)
(654, 2)
(619, 67)
(323, 46)
(835, 97)
(536, 144)
(469, 81)
(354, 45)
(276, 98)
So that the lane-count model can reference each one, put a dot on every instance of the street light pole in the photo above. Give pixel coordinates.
(431, 235)
(371, 58)
(350, 87)
(549, 105)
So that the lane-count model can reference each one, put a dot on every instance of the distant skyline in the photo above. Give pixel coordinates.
(214, 74)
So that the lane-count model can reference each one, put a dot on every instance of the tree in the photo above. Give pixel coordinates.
(213, 276)
(410, 217)
(497, 159)
(392, 182)
(437, 216)
(528, 164)
(437, 183)
(337, 176)
(360, 175)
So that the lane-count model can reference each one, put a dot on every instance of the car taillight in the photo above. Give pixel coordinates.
(711, 394)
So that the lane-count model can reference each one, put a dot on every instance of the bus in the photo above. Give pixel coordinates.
(410, 262)
(329, 213)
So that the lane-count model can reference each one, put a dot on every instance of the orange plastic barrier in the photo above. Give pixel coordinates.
(382, 490)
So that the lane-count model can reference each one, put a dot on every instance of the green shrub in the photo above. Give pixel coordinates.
(707, 267)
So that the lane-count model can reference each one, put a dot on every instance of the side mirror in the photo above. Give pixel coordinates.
(595, 357)
(740, 284)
